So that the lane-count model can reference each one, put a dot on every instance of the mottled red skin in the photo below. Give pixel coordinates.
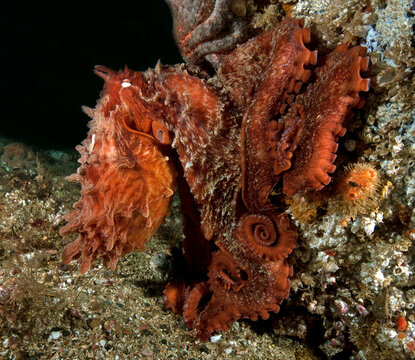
(206, 27)
(235, 135)
(338, 84)
(123, 199)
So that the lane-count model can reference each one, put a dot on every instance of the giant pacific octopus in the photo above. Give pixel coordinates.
(233, 143)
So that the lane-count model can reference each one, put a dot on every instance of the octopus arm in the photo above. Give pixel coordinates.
(205, 27)
(280, 78)
(248, 276)
(323, 109)
(241, 291)
(207, 141)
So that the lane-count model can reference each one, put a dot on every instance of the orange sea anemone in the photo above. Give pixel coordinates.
(357, 190)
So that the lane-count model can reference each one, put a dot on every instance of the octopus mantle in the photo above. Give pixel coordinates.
(227, 143)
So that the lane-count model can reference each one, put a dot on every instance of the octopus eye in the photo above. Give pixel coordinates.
(160, 132)
(160, 135)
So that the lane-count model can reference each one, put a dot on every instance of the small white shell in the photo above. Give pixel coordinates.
(125, 83)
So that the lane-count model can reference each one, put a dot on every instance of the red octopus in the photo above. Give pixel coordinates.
(226, 142)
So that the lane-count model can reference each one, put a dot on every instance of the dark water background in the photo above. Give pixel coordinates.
(47, 54)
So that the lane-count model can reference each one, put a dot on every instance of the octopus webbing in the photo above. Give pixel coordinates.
(233, 143)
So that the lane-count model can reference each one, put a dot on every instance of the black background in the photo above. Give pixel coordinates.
(47, 54)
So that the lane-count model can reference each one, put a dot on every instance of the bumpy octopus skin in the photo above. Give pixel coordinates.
(225, 143)
(202, 28)
(127, 180)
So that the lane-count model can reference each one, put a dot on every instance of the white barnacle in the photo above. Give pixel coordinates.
(126, 83)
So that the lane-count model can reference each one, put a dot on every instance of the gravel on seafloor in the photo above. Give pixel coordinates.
(48, 310)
